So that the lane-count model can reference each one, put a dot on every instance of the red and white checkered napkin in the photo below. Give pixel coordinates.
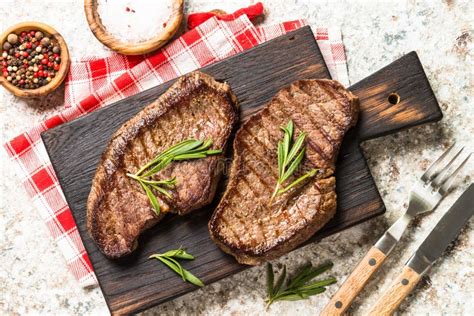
(96, 82)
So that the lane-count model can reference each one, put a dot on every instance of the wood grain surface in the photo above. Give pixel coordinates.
(356, 281)
(136, 283)
(388, 303)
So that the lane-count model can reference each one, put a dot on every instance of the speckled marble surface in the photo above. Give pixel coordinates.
(34, 278)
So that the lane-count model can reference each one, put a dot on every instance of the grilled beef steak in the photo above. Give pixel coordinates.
(247, 223)
(118, 209)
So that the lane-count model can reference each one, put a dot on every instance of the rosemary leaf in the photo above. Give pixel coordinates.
(296, 146)
(308, 273)
(291, 297)
(300, 286)
(213, 152)
(281, 159)
(177, 253)
(151, 197)
(293, 166)
(185, 150)
(280, 281)
(169, 263)
(168, 182)
(318, 284)
(192, 278)
(290, 129)
(315, 291)
(162, 191)
(295, 280)
(160, 165)
(290, 155)
(270, 278)
(301, 295)
(189, 156)
(169, 259)
(309, 174)
(286, 146)
(176, 263)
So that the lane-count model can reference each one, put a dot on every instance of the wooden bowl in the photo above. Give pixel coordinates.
(63, 68)
(133, 48)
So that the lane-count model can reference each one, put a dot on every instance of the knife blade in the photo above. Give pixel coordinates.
(445, 231)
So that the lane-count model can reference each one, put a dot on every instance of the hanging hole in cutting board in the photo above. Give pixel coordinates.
(393, 98)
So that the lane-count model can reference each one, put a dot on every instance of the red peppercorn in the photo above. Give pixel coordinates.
(40, 73)
(32, 33)
(4, 64)
(5, 74)
(44, 61)
(17, 54)
(25, 54)
(36, 75)
(56, 55)
(56, 67)
(28, 45)
(21, 82)
(45, 74)
(45, 56)
(50, 64)
(40, 67)
(23, 34)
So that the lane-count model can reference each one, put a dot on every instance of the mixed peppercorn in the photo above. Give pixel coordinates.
(30, 60)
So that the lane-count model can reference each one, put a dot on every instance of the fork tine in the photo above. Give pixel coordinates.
(435, 167)
(449, 182)
(443, 175)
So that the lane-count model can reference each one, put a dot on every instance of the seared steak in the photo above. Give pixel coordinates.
(118, 209)
(247, 223)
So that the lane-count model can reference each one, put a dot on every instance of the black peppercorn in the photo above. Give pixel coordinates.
(24, 59)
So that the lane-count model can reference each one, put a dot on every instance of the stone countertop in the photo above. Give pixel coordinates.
(33, 275)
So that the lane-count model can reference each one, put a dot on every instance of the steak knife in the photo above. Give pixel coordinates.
(431, 249)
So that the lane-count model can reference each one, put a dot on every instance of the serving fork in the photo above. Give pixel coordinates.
(425, 195)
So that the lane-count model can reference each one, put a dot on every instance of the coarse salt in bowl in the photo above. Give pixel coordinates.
(134, 27)
(134, 20)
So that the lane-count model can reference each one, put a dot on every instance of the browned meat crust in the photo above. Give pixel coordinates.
(246, 224)
(118, 210)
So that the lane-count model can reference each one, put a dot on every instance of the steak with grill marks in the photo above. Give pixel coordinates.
(118, 209)
(247, 223)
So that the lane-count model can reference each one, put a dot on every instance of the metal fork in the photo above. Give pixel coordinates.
(425, 195)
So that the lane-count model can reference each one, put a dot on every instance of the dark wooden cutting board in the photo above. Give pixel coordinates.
(135, 283)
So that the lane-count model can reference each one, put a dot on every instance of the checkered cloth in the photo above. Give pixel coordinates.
(95, 82)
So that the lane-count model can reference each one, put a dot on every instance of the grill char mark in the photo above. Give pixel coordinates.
(116, 226)
(303, 110)
(298, 213)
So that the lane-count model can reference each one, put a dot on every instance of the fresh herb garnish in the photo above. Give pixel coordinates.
(185, 150)
(300, 286)
(290, 155)
(169, 259)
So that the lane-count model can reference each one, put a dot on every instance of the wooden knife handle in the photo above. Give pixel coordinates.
(388, 303)
(343, 298)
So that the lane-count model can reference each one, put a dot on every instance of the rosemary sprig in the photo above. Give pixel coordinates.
(169, 259)
(290, 155)
(185, 150)
(299, 287)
